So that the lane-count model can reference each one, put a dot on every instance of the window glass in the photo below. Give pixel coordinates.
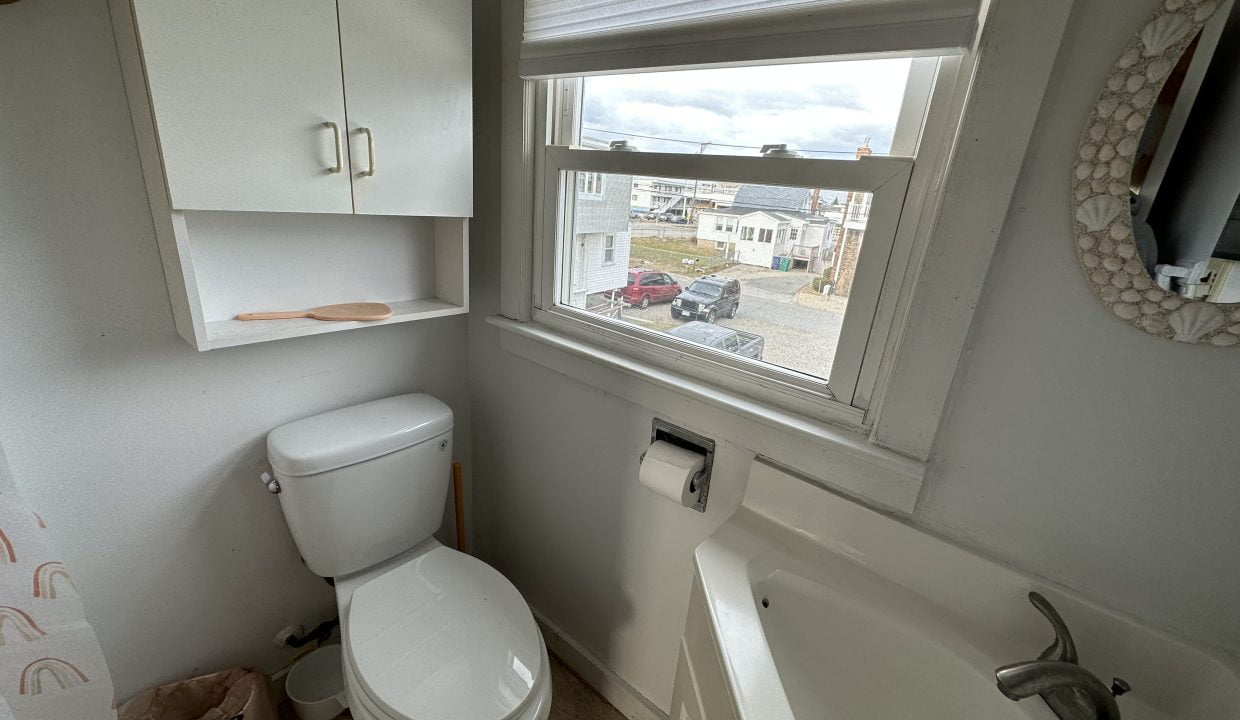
(822, 110)
(782, 302)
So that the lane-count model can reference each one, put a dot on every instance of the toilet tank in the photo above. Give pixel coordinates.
(364, 483)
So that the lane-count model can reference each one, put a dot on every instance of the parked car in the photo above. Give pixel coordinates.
(649, 286)
(707, 298)
(721, 338)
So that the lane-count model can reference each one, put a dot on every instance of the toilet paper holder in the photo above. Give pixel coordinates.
(689, 440)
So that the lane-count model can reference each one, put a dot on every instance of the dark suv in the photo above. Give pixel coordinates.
(708, 298)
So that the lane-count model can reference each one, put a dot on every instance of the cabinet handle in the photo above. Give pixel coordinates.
(336, 133)
(370, 150)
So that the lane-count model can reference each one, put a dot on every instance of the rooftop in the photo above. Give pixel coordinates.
(773, 197)
(777, 214)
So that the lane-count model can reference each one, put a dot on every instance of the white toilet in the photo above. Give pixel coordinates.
(429, 633)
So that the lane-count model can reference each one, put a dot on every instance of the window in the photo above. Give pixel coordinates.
(698, 132)
(589, 184)
(609, 249)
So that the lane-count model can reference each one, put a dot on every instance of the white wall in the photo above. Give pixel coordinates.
(1077, 447)
(140, 452)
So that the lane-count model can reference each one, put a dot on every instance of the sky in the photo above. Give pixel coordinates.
(813, 106)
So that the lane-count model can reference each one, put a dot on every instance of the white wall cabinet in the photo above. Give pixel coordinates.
(407, 79)
(251, 116)
(240, 93)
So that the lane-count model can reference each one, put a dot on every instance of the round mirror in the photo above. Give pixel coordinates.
(1156, 185)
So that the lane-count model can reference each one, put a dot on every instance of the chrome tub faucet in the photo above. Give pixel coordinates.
(1071, 691)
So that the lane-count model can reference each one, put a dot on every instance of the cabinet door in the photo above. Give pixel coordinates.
(408, 87)
(241, 91)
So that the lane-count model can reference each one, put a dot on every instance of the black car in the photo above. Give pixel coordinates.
(708, 298)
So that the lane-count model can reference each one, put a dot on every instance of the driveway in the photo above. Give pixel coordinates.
(798, 336)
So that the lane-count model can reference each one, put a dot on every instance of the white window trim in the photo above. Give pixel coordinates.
(591, 185)
(997, 92)
(609, 239)
(885, 177)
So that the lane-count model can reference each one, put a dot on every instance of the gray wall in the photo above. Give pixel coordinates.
(1076, 447)
(141, 453)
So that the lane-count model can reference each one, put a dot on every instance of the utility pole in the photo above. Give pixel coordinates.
(701, 151)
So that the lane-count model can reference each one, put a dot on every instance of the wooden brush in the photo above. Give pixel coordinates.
(365, 312)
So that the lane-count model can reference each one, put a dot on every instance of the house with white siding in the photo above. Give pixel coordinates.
(768, 222)
(600, 252)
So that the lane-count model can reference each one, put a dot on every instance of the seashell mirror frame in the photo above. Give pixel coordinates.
(1102, 223)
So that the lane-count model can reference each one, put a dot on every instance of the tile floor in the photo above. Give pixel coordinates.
(571, 699)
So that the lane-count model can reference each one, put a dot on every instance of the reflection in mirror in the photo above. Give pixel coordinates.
(1186, 174)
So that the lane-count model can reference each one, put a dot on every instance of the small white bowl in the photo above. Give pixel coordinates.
(315, 685)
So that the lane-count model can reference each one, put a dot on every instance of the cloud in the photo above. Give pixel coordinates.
(821, 106)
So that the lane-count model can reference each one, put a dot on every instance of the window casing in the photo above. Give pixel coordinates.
(590, 184)
(609, 249)
(884, 181)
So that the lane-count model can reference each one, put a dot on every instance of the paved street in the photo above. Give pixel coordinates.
(800, 332)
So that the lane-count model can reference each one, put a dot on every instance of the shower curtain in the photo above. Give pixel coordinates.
(51, 667)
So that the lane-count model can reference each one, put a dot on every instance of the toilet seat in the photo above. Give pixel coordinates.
(443, 636)
(362, 707)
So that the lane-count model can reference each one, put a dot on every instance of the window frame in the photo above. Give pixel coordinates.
(851, 400)
(609, 248)
(833, 399)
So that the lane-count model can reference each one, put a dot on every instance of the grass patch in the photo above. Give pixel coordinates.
(677, 245)
(659, 325)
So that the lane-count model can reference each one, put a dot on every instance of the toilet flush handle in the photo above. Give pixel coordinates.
(272, 485)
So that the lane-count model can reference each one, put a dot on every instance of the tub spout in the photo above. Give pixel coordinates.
(1073, 692)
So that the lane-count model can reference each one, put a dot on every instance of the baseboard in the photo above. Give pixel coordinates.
(628, 701)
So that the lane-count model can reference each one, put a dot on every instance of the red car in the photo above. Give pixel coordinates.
(649, 286)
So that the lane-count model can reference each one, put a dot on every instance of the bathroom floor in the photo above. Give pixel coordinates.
(571, 699)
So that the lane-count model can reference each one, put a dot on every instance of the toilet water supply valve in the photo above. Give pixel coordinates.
(272, 485)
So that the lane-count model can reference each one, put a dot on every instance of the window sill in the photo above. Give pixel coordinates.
(840, 459)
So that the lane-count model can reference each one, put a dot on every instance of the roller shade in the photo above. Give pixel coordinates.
(575, 37)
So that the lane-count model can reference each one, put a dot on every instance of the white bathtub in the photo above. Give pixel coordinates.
(807, 606)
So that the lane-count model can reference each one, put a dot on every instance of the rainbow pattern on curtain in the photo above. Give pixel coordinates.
(50, 662)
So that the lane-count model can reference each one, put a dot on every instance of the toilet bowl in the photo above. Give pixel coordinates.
(437, 633)
(428, 633)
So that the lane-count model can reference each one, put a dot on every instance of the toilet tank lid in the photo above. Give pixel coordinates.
(351, 435)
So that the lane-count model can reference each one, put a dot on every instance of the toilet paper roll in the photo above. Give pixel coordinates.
(670, 471)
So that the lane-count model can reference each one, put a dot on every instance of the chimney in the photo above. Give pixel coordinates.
(864, 149)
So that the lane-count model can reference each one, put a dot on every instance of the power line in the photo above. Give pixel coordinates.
(700, 142)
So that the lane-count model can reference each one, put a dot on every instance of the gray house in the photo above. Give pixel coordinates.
(600, 251)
